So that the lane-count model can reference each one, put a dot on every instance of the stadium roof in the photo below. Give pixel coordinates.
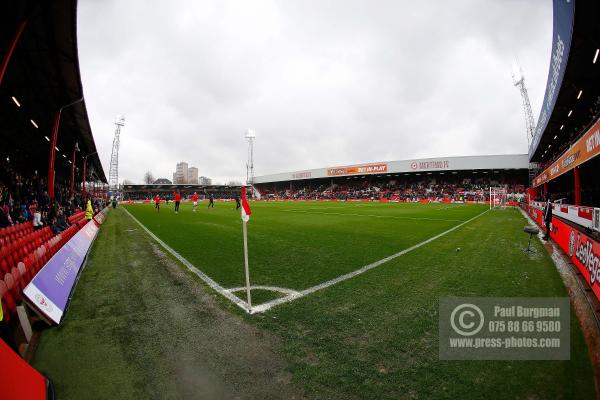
(573, 84)
(511, 161)
(43, 76)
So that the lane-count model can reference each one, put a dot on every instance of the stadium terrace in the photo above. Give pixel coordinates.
(435, 179)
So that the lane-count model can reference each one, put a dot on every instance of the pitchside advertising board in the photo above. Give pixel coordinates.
(583, 251)
(50, 290)
(563, 11)
(584, 149)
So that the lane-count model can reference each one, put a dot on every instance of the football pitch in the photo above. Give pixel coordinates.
(298, 248)
(371, 333)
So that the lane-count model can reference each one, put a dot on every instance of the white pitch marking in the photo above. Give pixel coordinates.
(447, 207)
(220, 289)
(291, 295)
(286, 291)
(295, 210)
(270, 304)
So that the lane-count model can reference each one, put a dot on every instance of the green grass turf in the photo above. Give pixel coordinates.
(371, 337)
(296, 245)
(140, 327)
(376, 336)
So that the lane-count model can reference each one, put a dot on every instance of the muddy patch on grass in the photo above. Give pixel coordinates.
(216, 354)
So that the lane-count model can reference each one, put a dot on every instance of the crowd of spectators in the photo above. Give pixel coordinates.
(25, 198)
(392, 190)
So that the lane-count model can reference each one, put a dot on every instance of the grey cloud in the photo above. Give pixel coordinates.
(323, 83)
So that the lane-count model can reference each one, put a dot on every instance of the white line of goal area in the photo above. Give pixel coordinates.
(290, 294)
(297, 210)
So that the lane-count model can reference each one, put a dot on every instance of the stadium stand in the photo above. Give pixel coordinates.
(454, 179)
(564, 149)
(49, 166)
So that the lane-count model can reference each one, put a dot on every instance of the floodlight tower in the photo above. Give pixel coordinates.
(113, 174)
(519, 81)
(250, 136)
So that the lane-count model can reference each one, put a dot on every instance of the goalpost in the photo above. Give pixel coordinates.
(498, 197)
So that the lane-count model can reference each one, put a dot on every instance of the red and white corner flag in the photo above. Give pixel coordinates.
(245, 217)
(245, 206)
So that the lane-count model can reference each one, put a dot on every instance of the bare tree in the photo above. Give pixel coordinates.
(127, 182)
(148, 177)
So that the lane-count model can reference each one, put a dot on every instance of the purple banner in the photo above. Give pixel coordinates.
(50, 289)
(101, 216)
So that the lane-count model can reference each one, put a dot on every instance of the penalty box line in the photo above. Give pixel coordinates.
(208, 280)
(266, 306)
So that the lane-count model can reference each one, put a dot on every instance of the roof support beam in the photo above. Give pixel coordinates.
(11, 49)
(52, 157)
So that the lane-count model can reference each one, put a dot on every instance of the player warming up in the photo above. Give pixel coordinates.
(211, 201)
(195, 200)
(157, 203)
(237, 202)
(177, 200)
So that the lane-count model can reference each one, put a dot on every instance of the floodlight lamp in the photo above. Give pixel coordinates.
(517, 74)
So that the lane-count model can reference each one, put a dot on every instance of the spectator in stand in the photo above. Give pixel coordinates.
(60, 222)
(33, 208)
(37, 220)
(6, 212)
(4, 217)
(24, 215)
(44, 200)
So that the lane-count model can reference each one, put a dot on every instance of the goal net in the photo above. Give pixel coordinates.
(498, 197)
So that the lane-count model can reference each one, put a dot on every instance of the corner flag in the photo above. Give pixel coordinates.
(245, 206)
(245, 217)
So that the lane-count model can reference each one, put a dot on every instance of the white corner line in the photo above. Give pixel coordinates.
(266, 306)
(214, 285)
(291, 294)
(286, 291)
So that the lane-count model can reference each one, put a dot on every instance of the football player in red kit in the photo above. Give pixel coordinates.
(177, 200)
(157, 203)
(195, 200)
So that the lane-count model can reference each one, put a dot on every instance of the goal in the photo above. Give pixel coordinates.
(498, 197)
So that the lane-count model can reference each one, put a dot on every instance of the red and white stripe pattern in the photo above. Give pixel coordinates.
(578, 214)
(245, 206)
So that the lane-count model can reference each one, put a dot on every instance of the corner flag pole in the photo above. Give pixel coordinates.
(245, 218)
(246, 265)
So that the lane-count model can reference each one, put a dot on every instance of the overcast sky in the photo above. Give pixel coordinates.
(322, 82)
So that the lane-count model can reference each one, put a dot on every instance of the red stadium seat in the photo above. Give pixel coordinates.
(10, 284)
(4, 267)
(18, 281)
